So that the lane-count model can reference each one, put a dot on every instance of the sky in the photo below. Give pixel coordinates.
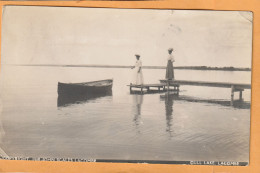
(78, 36)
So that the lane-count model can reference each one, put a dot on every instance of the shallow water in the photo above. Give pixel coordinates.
(122, 126)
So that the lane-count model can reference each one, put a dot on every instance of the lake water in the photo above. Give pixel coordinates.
(122, 126)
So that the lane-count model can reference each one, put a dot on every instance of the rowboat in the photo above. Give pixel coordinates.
(92, 88)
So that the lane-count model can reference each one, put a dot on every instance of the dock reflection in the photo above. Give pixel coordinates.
(239, 104)
(67, 100)
(137, 108)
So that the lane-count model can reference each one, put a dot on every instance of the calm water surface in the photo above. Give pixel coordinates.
(122, 126)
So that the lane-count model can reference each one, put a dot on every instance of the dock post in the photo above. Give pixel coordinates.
(142, 90)
(232, 95)
(168, 85)
(130, 88)
(240, 95)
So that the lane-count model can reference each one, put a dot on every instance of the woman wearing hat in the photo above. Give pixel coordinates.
(138, 74)
(169, 69)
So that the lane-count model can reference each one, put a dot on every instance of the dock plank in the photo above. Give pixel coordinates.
(148, 85)
(209, 84)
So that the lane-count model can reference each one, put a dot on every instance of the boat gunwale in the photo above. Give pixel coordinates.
(109, 82)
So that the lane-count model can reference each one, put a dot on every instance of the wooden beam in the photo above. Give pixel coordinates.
(208, 84)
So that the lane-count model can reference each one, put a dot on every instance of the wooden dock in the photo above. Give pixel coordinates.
(208, 84)
(235, 87)
(174, 85)
(152, 88)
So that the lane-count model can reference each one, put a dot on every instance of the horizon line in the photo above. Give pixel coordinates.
(227, 68)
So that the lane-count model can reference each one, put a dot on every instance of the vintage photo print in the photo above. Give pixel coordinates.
(125, 85)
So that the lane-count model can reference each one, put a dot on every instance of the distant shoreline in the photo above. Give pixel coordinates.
(144, 67)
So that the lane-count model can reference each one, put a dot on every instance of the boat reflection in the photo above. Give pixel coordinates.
(239, 104)
(67, 100)
(137, 107)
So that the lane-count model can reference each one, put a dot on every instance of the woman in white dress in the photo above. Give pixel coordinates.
(138, 74)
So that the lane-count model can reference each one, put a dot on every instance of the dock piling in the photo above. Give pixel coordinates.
(240, 95)
(130, 88)
(232, 95)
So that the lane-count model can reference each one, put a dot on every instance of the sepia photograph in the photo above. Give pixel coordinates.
(125, 85)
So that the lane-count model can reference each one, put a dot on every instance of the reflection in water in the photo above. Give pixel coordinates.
(169, 111)
(66, 100)
(138, 101)
(239, 104)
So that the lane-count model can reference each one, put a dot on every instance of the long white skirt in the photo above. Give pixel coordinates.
(138, 78)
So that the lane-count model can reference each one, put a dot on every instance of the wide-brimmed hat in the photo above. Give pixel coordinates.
(170, 49)
(137, 55)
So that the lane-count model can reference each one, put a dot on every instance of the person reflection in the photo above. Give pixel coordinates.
(169, 111)
(138, 101)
